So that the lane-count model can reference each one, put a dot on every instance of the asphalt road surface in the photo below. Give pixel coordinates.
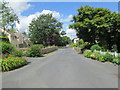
(62, 69)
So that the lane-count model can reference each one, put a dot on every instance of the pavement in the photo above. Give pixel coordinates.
(64, 68)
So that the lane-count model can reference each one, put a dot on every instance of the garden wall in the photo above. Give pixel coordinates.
(49, 49)
(44, 50)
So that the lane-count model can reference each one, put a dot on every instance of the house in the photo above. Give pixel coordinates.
(17, 39)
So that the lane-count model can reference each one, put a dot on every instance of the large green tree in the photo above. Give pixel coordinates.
(63, 41)
(96, 25)
(7, 16)
(115, 30)
(45, 30)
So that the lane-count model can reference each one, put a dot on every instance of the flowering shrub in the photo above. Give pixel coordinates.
(92, 56)
(11, 63)
(87, 53)
(102, 57)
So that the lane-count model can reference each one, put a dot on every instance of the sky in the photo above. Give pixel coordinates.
(62, 11)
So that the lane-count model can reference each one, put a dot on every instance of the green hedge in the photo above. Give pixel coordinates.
(3, 38)
(34, 51)
(6, 48)
(17, 53)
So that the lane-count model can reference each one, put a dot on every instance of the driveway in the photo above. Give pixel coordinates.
(62, 69)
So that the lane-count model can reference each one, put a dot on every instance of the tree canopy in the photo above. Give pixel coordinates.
(97, 25)
(45, 30)
(8, 17)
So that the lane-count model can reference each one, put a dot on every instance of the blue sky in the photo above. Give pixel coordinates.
(63, 10)
(67, 8)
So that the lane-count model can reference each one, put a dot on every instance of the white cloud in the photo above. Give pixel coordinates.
(54, 13)
(71, 33)
(19, 7)
(68, 19)
(26, 20)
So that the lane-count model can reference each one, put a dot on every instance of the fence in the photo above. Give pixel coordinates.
(101, 52)
(113, 53)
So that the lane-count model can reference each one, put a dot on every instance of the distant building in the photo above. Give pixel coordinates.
(17, 39)
(75, 40)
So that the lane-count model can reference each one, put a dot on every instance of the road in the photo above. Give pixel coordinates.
(62, 69)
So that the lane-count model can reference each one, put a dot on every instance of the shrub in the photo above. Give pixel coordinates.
(17, 53)
(84, 46)
(74, 45)
(95, 55)
(6, 48)
(4, 38)
(101, 58)
(11, 63)
(116, 60)
(34, 51)
(87, 53)
(80, 42)
(95, 47)
(108, 57)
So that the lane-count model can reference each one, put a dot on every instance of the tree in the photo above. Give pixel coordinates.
(25, 34)
(96, 26)
(45, 30)
(63, 33)
(115, 30)
(8, 17)
(63, 41)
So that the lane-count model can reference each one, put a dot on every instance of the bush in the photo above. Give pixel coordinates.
(6, 48)
(84, 46)
(95, 55)
(4, 38)
(87, 53)
(116, 60)
(101, 58)
(108, 57)
(95, 47)
(80, 42)
(34, 51)
(11, 63)
(17, 53)
(74, 45)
